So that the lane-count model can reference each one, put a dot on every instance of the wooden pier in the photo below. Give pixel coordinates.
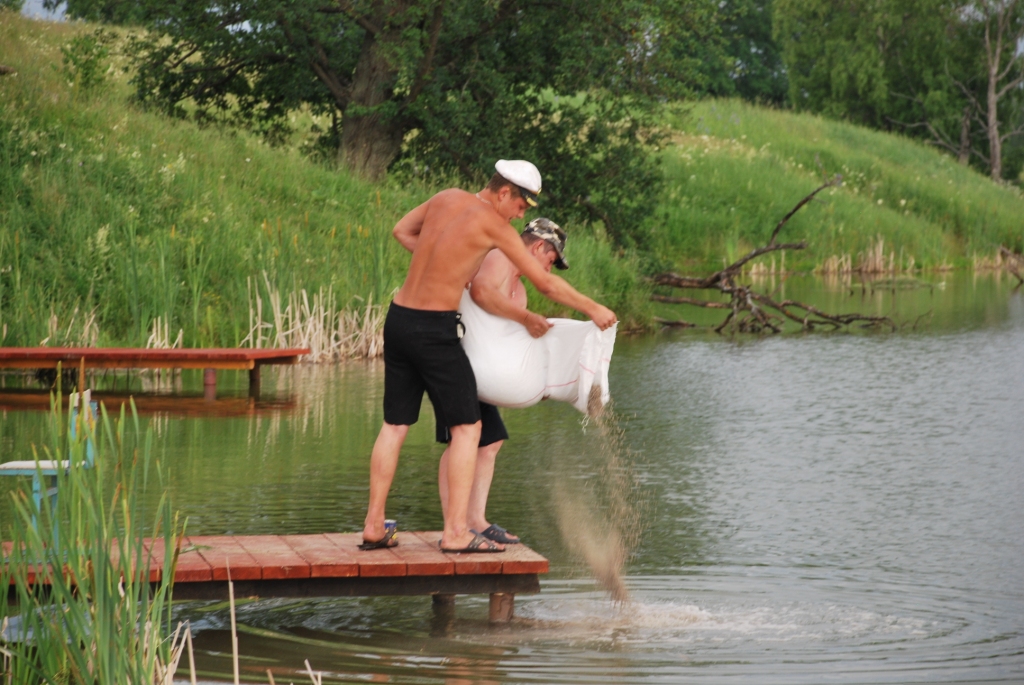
(208, 359)
(331, 565)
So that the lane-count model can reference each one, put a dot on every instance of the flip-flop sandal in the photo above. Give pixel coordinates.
(479, 544)
(498, 534)
(390, 538)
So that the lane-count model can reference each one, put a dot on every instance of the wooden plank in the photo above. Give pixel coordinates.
(421, 558)
(223, 552)
(520, 583)
(325, 559)
(471, 563)
(521, 559)
(375, 563)
(275, 557)
(191, 566)
(181, 405)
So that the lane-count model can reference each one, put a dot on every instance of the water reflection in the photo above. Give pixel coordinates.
(177, 405)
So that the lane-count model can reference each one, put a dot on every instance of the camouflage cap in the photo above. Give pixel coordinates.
(553, 234)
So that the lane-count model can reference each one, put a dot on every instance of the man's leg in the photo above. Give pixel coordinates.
(476, 514)
(485, 459)
(461, 469)
(383, 463)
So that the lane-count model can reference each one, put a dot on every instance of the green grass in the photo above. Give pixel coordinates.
(735, 170)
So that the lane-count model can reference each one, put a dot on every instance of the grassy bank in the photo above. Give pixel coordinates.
(133, 216)
(735, 170)
(111, 217)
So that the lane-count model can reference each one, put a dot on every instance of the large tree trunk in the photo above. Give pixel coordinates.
(371, 136)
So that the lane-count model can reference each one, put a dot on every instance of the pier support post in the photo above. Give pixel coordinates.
(444, 615)
(210, 384)
(254, 381)
(502, 607)
(442, 601)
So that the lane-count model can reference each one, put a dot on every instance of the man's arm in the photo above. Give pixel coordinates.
(490, 289)
(549, 285)
(407, 230)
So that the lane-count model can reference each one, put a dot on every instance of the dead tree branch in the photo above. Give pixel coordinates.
(754, 312)
(1014, 263)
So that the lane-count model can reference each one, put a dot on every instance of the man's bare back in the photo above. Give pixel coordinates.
(449, 236)
(455, 235)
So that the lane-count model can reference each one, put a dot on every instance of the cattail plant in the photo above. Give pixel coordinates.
(83, 607)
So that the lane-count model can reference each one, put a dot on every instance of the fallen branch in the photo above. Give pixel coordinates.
(1014, 263)
(754, 312)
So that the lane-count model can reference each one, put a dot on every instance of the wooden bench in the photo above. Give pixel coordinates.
(208, 359)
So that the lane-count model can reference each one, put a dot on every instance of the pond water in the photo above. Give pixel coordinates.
(810, 508)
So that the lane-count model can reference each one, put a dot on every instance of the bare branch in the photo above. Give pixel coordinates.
(322, 68)
(836, 180)
(754, 312)
(692, 301)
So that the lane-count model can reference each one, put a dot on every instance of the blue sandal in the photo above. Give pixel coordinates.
(478, 544)
(498, 534)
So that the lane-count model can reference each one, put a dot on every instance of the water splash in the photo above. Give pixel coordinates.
(601, 514)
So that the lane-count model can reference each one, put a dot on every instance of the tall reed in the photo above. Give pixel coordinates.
(83, 609)
(330, 331)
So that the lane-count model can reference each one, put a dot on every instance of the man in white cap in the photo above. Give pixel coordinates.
(449, 235)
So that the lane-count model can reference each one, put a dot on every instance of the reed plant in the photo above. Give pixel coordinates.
(331, 332)
(82, 607)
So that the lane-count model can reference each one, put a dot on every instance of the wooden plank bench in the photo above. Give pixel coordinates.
(331, 565)
(208, 359)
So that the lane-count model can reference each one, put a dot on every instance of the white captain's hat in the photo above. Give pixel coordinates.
(524, 175)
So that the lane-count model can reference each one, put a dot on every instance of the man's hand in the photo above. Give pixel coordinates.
(536, 324)
(603, 317)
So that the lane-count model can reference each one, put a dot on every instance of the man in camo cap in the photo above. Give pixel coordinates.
(498, 289)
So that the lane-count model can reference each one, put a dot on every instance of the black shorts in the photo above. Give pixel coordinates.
(422, 352)
(492, 428)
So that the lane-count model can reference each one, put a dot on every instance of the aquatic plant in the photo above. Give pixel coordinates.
(84, 607)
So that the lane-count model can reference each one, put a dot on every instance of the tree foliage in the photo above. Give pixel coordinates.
(447, 86)
(917, 66)
(749, 63)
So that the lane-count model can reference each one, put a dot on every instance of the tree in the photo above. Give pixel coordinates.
(1002, 25)
(946, 70)
(748, 63)
(449, 85)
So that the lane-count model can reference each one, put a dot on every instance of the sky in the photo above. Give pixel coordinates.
(34, 9)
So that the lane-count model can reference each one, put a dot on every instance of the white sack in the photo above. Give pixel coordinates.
(514, 369)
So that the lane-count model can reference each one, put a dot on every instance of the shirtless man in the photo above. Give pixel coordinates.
(449, 235)
(498, 289)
